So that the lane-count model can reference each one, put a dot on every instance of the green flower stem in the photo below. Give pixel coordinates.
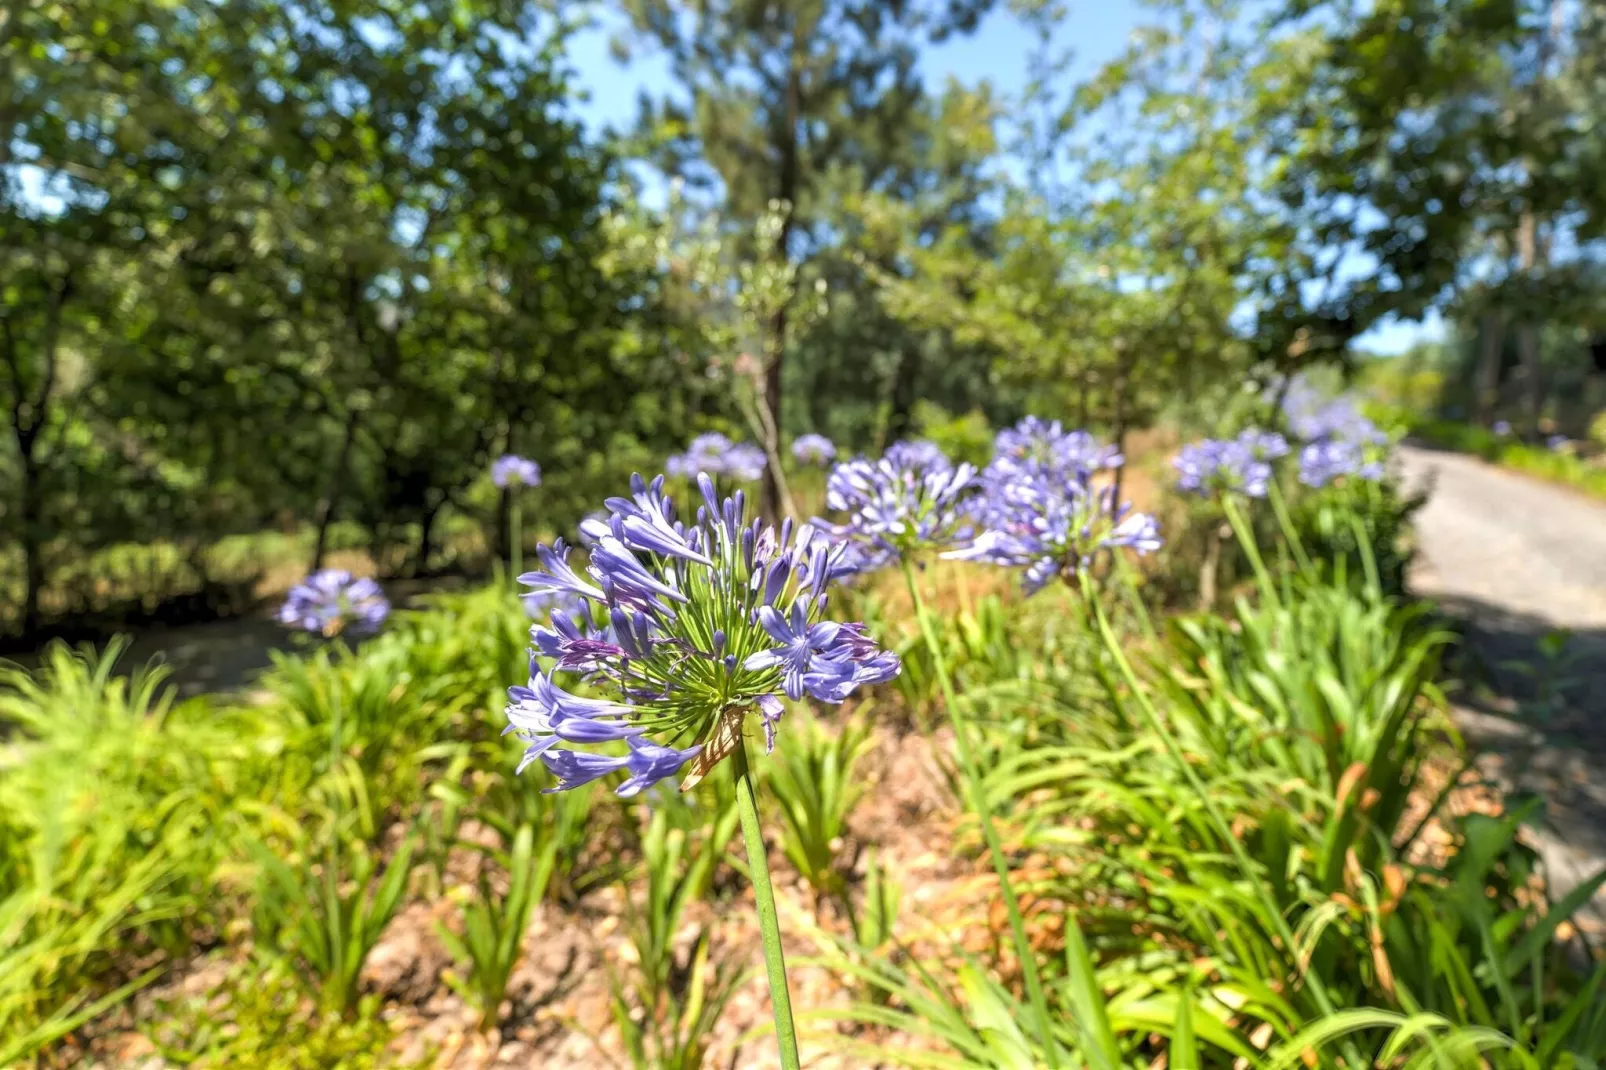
(331, 865)
(1246, 539)
(515, 545)
(1286, 521)
(978, 803)
(1152, 719)
(1129, 586)
(768, 921)
(335, 726)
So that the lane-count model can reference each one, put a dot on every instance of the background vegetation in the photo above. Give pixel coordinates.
(373, 245)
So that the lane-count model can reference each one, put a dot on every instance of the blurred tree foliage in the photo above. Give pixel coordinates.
(280, 266)
(792, 109)
(270, 261)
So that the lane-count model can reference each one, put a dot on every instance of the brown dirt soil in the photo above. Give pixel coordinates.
(558, 1016)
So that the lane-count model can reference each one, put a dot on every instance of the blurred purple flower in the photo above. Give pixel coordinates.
(512, 471)
(1036, 446)
(1314, 417)
(1040, 509)
(1322, 462)
(1215, 466)
(717, 455)
(331, 601)
(813, 449)
(912, 498)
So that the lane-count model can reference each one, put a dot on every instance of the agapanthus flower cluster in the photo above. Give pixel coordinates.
(331, 601)
(1035, 446)
(1340, 440)
(1502, 428)
(1556, 442)
(1041, 510)
(1239, 465)
(917, 453)
(1314, 417)
(813, 449)
(1322, 462)
(913, 497)
(709, 624)
(512, 471)
(717, 455)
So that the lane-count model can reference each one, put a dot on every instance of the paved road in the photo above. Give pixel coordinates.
(1529, 548)
(1516, 559)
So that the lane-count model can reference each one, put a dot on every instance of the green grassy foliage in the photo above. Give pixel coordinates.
(1218, 824)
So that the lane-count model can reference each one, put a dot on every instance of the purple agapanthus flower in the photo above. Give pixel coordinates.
(1556, 442)
(1042, 511)
(917, 453)
(1263, 445)
(1314, 417)
(745, 462)
(513, 471)
(708, 624)
(1502, 428)
(331, 601)
(1216, 466)
(914, 497)
(1320, 463)
(819, 658)
(813, 449)
(718, 456)
(1035, 446)
(600, 517)
(1339, 439)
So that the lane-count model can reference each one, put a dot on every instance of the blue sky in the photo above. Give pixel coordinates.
(996, 52)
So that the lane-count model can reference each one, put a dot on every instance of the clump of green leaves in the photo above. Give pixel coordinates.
(327, 910)
(816, 782)
(494, 921)
(667, 1001)
(108, 836)
(259, 1018)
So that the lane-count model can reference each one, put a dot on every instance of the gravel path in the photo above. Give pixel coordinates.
(1517, 560)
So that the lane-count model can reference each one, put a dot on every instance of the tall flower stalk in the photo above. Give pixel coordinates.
(910, 501)
(513, 474)
(769, 922)
(1224, 469)
(1012, 535)
(328, 604)
(978, 805)
(708, 626)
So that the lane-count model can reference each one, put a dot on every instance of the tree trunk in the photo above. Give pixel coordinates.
(1533, 376)
(29, 418)
(426, 537)
(770, 500)
(787, 189)
(1119, 417)
(332, 492)
(1493, 333)
(33, 566)
(905, 387)
(1531, 254)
